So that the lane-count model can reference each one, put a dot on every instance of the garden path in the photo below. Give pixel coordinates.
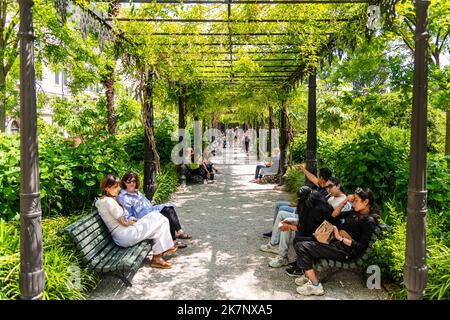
(222, 261)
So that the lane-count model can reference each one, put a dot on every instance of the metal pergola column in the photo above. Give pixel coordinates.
(311, 142)
(415, 268)
(32, 276)
(283, 141)
(182, 127)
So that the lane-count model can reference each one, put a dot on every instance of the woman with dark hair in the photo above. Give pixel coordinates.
(127, 233)
(351, 238)
(312, 209)
(138, 206)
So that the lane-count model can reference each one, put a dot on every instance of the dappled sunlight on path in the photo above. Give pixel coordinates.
(227, 219)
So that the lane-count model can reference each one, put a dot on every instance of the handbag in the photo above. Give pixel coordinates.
(324, 232)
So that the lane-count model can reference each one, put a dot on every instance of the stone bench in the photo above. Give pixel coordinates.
(100, 252)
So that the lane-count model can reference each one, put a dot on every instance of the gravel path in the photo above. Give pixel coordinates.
(222, 261)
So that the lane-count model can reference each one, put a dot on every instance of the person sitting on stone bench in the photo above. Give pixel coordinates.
(137, 206)
(268, 167)
(351, 239)
(127, 233)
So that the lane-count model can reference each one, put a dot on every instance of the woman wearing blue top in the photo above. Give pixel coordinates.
(137, 206)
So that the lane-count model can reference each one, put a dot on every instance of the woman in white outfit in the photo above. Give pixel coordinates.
(127, 233)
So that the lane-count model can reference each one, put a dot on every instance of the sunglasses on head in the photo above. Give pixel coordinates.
(360, 192)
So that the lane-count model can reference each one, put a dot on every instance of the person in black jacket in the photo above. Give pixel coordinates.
(352, 233)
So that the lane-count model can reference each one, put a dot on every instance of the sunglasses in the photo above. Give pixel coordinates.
(360, 192)
(130, 181)
(328, 186)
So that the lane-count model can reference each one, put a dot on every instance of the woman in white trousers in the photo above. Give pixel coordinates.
(127, 233)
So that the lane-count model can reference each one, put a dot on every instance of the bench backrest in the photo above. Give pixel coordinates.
(90, 235)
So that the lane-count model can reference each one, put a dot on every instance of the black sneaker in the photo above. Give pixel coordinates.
(268, 234)
(294, 271)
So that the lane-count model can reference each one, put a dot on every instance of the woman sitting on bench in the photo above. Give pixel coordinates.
(127, 233)
(349, 242)
(138, 206)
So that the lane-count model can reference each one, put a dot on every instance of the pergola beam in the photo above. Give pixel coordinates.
(225, 20)
(245, 1)
(256, 34)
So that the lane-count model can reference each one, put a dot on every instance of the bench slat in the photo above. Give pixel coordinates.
(94, 248)
(142, 256)
(112, 263)
(132, 256)
(99, 257)
(95, 221)
(97, 234)
(105, 259)
(88, 232)
(69, 229)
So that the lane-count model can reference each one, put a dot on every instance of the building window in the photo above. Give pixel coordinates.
(14, 127)
(57, 73)
(64, 75)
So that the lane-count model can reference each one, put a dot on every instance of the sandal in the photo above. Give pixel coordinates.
(166, 265)
(184, 235)
(180, 244)
(170, 251)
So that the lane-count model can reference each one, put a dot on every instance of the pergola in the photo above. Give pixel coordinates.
(282, 66)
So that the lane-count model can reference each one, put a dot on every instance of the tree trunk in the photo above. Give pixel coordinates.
(447, 135)
(108, 83)
(2, 104)
(151, 157)
(263, 121)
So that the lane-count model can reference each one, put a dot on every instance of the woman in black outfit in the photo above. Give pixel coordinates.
(351, 238)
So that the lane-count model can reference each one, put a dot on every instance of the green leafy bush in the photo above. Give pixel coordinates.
(69, 176)
(166, 183)
(59, 255)
(133, 142)
(369, 161)
(294, 180)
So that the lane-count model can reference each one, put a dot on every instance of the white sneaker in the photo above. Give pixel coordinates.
(301, 281)
(309, 289)
(278, 262)
(269, 248)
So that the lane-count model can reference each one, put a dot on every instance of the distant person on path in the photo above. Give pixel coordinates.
(127, 233)
(246, 143)
(138, 206)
